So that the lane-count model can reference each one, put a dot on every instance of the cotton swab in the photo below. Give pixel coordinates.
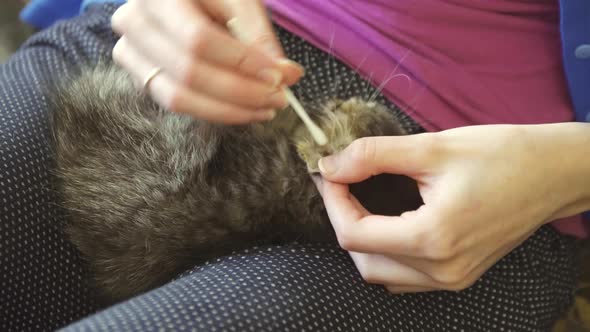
(316, 132)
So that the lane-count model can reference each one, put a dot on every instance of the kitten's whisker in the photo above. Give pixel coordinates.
(356, 70)
(390, 76)
(368, 86)
(331, 60)
(380, 88)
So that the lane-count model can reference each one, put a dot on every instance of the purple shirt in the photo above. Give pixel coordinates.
(448, 63)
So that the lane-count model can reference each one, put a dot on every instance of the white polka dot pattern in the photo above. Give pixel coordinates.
(317, 288)
(286, 288)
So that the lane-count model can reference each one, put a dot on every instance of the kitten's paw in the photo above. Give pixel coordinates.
(343, 122)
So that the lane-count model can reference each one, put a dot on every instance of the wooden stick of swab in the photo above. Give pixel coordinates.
(316, 132)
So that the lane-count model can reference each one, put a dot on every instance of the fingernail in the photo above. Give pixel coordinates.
(268, 115)
(271, 76)
(279, 100)
(288, 62)
(328, 165)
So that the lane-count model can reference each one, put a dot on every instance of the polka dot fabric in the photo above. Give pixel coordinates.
(293, 287)
(41, 284)
(317, 288)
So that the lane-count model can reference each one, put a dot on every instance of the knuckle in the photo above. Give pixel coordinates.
(431, 146)
(420, 240)
(257, 98)
(258, 101)
(440, 244)
(367, 271)
(198, 39)
(451, 274)
(363, 150)
(241, 59)
(188, 73)
(239, 90)
(128, 19)
(347, 240)
(438, 251)
(265, 38)
(119, 19)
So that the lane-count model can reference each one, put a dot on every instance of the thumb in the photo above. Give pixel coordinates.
(369, 156)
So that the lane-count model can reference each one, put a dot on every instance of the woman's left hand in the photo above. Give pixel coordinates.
(486, 189)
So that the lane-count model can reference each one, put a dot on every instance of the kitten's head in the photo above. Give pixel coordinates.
(344, 121)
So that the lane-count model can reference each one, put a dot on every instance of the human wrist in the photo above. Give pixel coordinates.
(563, 150)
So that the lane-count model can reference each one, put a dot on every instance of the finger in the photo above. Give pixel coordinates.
(317, 180)
(394, 272)
(177, 98)
(365, 157)
(118, 17)
(249, 24)
(379, 269)
(475, 274)
(252, 23)
(409, 289)
(214, 81)
(400, 278)
(357, 230)
(187, 26)
(462, 268)
(342, 212)
(292, 71)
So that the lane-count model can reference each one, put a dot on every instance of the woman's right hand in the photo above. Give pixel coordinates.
(206, 72)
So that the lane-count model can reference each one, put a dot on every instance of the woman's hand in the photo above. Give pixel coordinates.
(485, 189)
(205, 71)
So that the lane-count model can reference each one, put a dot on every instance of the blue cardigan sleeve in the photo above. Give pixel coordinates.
(575, 35)
(43, 13)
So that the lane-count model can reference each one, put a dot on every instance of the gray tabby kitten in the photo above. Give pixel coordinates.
(149, 193)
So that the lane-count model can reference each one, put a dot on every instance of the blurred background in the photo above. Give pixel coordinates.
(13, 33)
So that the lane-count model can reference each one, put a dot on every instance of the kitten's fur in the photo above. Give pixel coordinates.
(150, 193)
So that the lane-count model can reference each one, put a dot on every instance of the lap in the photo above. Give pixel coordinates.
(316, 287)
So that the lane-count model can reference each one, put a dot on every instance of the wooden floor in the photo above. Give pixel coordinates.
(13, 33)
